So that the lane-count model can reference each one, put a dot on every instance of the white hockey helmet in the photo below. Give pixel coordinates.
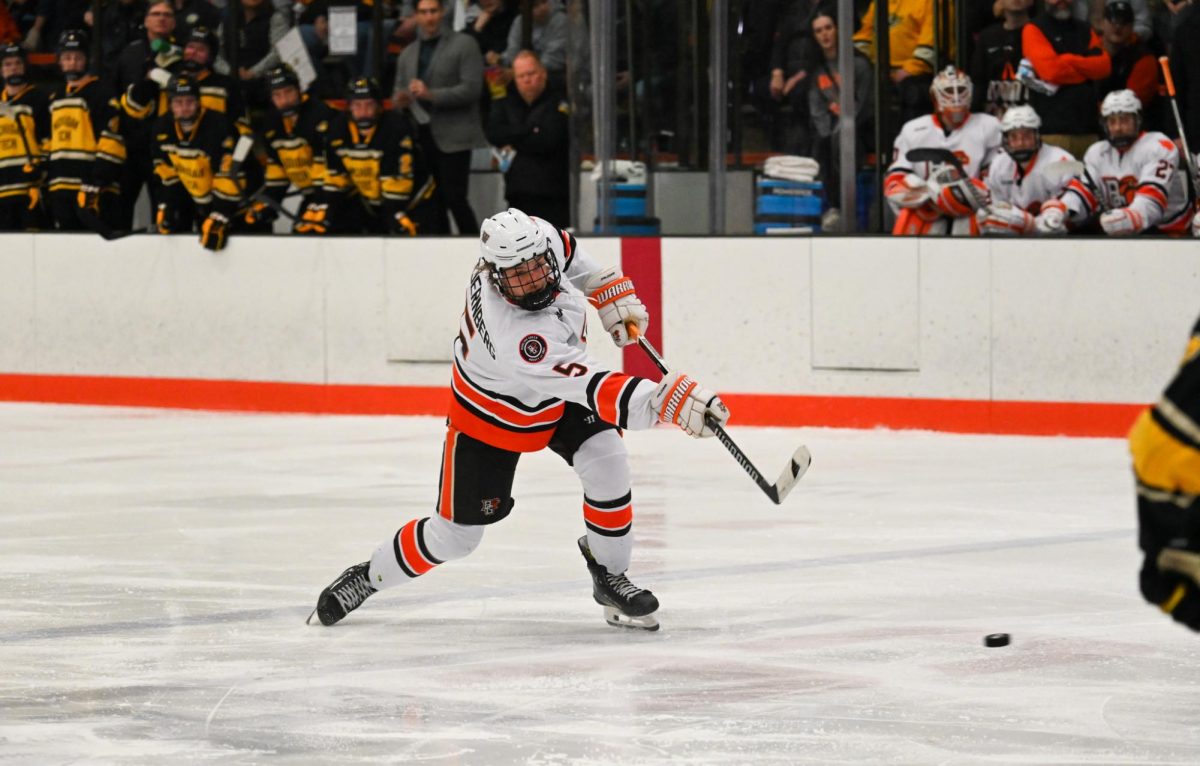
(1017, 118)
(951, 93)
(517, 254)
(1118, 102)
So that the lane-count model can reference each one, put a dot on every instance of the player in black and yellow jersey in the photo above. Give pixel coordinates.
(295, 134)
(145, 101)
(376, 172)
(1165, 442)
(86, 150)
(24, 125)
(193, 157)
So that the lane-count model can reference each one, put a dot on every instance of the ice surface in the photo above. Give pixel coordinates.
(157, 568)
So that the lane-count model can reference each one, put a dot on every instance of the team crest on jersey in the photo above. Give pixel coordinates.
(489, 506)
(533, 348)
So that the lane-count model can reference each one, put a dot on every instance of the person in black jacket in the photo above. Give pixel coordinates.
(193, 155)
(530, 127)
(376, 178)
(24, 126)
(997, 58)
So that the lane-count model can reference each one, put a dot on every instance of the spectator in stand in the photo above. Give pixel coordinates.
(550, 39)
(155, 55)
(1068, 61)
(488, 21)
(911, 47)
(86, 151)
(53, 19)
(438, 81)
(9, 31)
(793, 52)
(530, 126)
(190, 14)
(121, 25)
(25, 124)
(824, 104)
(1185, 70)
(1091, 12)
(1133, 65)
(996, 60)
(263, 25)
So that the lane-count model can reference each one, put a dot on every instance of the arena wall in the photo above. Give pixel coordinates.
(992, 336)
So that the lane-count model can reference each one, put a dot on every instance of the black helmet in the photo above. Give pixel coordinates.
(12, 50)
(183, 85)
(73, 40)
(203, 35)
(282, 76)
(364, 88)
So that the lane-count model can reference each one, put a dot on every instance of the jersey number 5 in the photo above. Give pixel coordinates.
(572, 370)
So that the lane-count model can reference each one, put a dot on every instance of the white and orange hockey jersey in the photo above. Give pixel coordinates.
(975, 144)
(1029, 190)
(1144, 177)
(514, 369)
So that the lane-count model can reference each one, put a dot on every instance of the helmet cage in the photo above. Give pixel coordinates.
(532, 284)
(1121, 102)
(951, 92)
(1018, 118)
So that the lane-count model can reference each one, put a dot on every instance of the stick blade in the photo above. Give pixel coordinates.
(792, 472)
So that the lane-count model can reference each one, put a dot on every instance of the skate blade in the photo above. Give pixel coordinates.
(621, 620)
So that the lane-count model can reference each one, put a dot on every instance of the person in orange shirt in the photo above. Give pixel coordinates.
(1064, 62)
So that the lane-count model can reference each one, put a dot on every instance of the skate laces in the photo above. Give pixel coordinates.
(351, 593)
(620, 583)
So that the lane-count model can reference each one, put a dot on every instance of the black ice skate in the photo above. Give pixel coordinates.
(344, 595)
(625, 604)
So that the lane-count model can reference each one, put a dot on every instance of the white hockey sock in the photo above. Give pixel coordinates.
(603, 467)
(418, 547)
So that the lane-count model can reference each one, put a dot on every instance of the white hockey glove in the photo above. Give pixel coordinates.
(1053, 218)
(612, 294)
(1122, 222)
(1004, 219)
(909, 191)
(681, 400)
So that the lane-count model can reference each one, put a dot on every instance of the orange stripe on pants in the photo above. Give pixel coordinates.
(446, 495)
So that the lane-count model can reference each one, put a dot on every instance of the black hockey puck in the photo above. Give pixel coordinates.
(996, 639)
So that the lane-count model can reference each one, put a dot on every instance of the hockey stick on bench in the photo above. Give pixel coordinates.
(795, 468)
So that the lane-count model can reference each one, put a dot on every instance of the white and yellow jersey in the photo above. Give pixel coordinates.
(514, 369)
(1030, 189)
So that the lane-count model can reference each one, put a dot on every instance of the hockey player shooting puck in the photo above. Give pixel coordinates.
(996, 639)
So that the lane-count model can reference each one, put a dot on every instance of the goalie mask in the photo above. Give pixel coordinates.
(1020, 130)
(518, 257)
(1121, 118)
(951, 93)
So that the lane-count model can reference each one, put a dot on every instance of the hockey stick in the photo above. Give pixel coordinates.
(1057, 171)
(944, 157)
(1187, 153)
(795, 468)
